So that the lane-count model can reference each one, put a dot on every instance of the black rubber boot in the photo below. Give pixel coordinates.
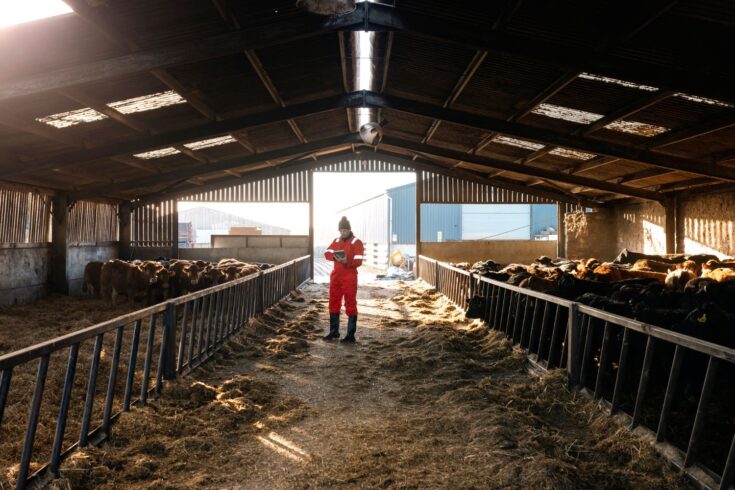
(351, 329)
(333, 327)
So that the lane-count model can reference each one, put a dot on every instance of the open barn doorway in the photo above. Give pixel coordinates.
(381, 208)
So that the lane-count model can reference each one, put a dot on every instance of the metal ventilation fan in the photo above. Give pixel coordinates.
(371, 133)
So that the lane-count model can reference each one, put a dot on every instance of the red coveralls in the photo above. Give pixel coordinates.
(343, 280)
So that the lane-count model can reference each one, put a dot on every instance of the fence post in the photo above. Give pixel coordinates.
(261, 293)
(436, 275)
(574, 352)
(169, 342)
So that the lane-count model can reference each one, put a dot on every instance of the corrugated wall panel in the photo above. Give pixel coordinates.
(439, 188)
(404, 213)
(445, 218)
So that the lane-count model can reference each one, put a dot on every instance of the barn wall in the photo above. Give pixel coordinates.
(272, 249)
(591, 235)
(707, 224)
(25, 273)
(640, 227)
(501, 251)
(78, 256)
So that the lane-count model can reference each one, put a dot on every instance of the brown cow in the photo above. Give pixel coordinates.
(720, 275)
(611, 273)
(92, 278)
(120, 278)
(186, 276)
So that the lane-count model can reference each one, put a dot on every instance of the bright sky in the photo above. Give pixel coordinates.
(19, 11)
(333, 191)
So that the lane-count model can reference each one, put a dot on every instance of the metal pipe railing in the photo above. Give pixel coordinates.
(181, 334)
(558, 333)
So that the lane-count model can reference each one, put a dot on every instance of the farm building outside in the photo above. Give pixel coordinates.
(174, 168)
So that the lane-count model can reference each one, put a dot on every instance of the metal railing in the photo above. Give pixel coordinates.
(149, 346)
(619, 363)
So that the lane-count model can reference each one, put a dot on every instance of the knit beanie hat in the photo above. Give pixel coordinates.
(344, 224)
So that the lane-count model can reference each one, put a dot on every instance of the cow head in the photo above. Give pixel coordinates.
(194, 272)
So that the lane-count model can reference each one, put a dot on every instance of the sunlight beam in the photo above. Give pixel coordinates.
(19, 12)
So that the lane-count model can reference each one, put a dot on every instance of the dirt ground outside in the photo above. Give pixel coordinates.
(425, 399)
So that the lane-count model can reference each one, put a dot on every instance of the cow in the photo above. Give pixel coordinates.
(678, 279)
(186, 277)
(720, 275)
(611, 273)
(120, 278)
(92, 278)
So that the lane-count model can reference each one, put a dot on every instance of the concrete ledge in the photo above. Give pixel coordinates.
(501, 251)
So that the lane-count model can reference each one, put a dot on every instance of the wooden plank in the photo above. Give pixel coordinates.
(178, 54)
(526, 170)
(162, 140)
(546, 136)
(589, 59)
(186, 173)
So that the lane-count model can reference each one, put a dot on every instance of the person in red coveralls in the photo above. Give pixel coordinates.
(346, 252)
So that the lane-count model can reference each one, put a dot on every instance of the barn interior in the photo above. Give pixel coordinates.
(621, 114)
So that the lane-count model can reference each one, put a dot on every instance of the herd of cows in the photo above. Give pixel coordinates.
(160, 279)
(690, 294)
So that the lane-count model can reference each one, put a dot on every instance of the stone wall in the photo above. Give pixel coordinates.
(707, 224)
(591, 235)
(501, 251)
(640, 227)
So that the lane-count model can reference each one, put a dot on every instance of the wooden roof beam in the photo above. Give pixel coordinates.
(211, 129)
(525, 170)
(687, 80)
(146, 60)
(379, 18)
(51, 134)
(457, 90)
(700, 129)
(642, 175)
(425, 162)
(548, 137)
(220, 166)
(636, 106)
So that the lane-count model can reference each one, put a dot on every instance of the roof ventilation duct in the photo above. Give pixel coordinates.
(327, 7)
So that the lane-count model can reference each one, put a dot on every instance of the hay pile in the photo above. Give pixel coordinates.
(193, 432)
(25, 325)
(473, 418)
(183, 439)
(425, 399)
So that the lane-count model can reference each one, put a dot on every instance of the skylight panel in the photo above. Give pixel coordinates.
(637, 128)
(72, 118)
(160, 153)
(584, 117)
(567, 114)
(147, 102)
(704, 100)
(526, 145)
(211, 142)
(616, 81)
(573, 154)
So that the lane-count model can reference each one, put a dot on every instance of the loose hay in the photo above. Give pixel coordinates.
(424, 400)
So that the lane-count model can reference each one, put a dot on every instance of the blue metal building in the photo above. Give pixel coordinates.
(435, 218)
(465, 221)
